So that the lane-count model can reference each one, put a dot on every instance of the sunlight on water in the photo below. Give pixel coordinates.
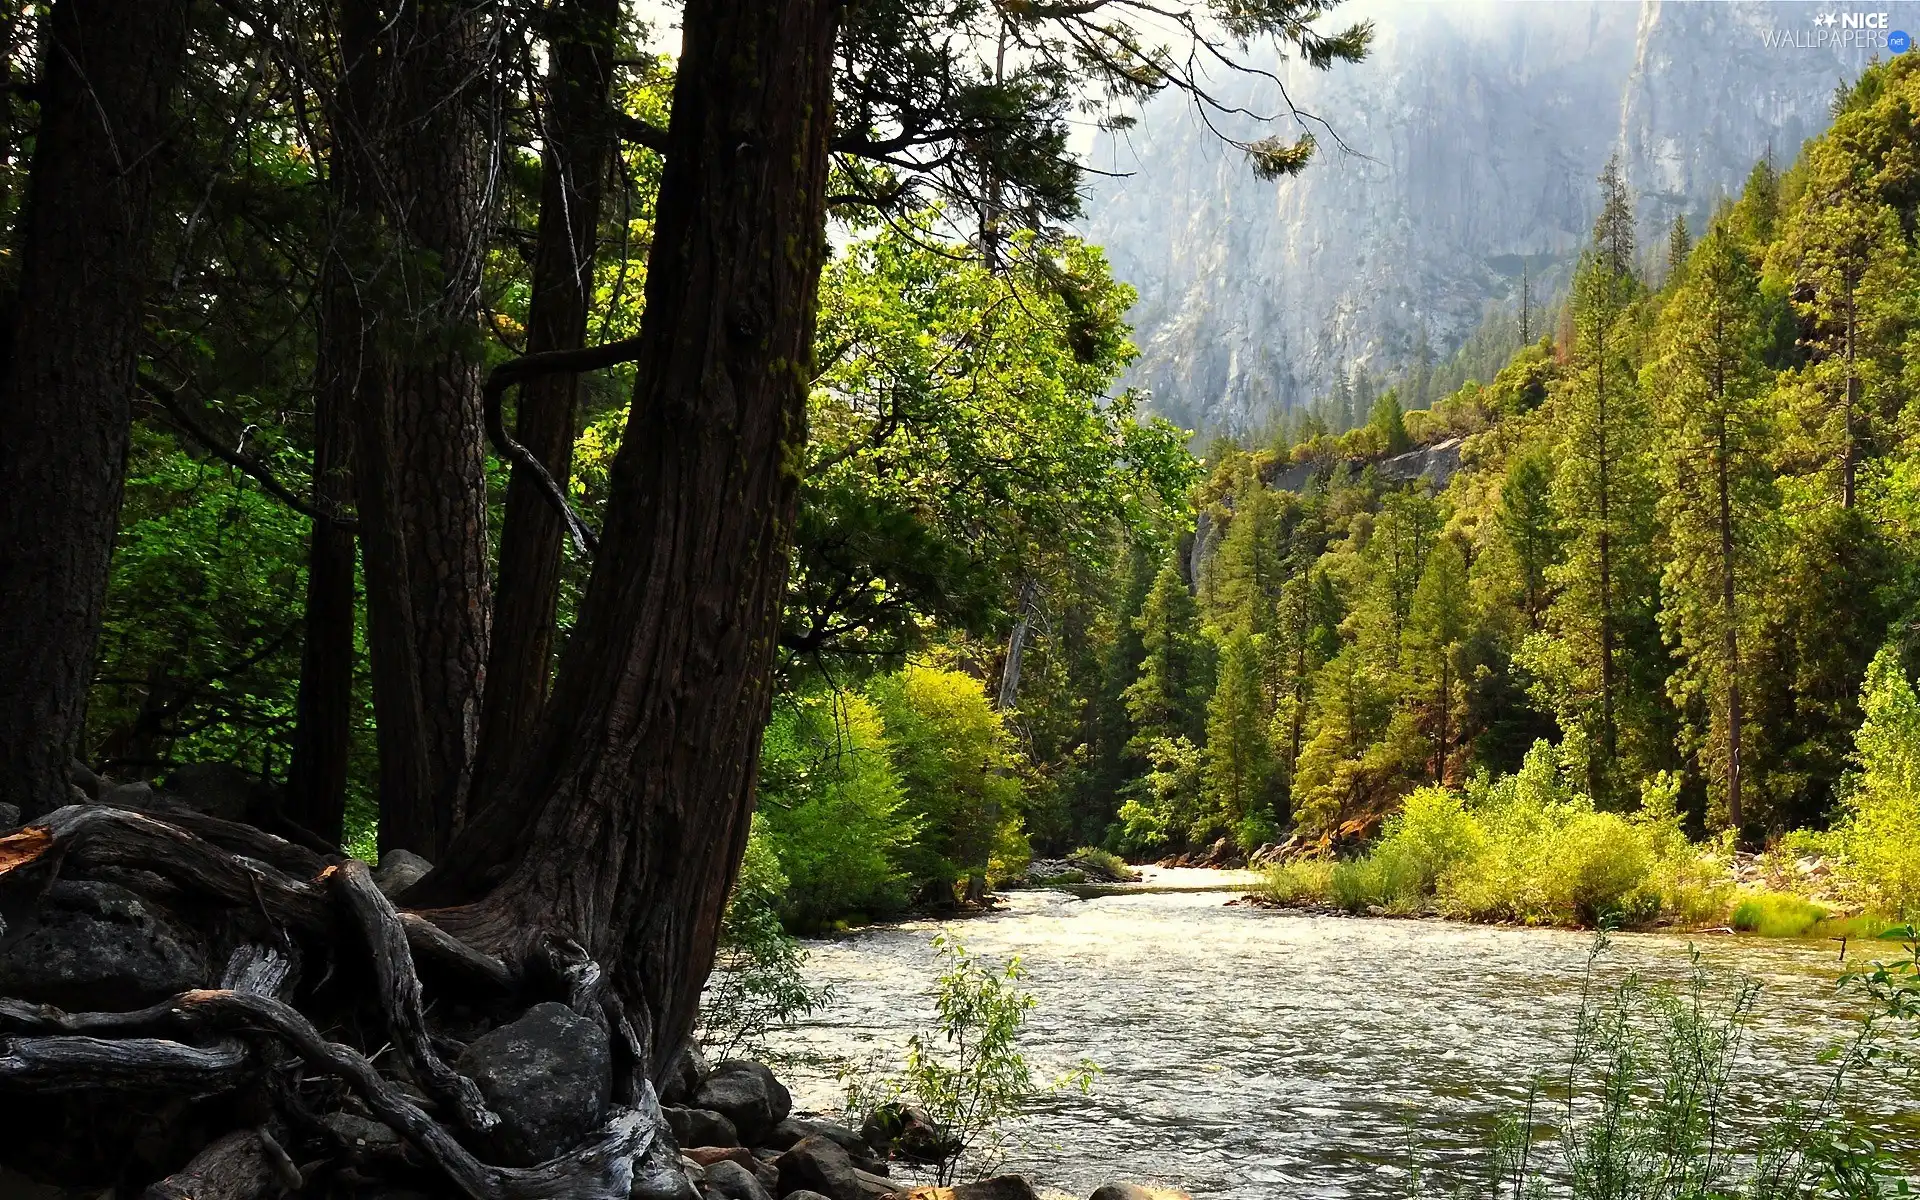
(1252, 1054)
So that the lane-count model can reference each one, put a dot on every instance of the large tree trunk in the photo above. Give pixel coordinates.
(625, 827)
(323, 735)
(108, 70)
(419, 131)
(577, 138)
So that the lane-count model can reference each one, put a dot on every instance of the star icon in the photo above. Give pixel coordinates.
(1824, 19)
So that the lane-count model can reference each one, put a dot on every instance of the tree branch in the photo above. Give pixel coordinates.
(533, 366)
(166, 398)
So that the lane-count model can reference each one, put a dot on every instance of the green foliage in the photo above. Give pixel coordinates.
(758, 983)
(1773, 914)
(1643, 1108)
(1388, 424)
(1168, 698)
(967, 1071)
(832, 814)
(1878, 840)
(957, 765)
(200, 648)
(1239, 759)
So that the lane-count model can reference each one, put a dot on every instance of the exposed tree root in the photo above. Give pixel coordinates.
(249, 1038)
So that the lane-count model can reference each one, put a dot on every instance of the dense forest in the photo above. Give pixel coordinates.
(1665, 541)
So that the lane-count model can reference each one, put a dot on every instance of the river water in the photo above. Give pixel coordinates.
(1251, 1054)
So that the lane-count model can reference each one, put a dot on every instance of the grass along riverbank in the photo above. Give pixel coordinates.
(1530, 849)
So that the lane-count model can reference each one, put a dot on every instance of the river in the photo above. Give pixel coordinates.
(1251, 1054)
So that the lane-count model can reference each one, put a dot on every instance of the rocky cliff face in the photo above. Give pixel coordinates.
(1475, 133)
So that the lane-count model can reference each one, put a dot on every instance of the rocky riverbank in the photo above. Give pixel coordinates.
(741, 1140)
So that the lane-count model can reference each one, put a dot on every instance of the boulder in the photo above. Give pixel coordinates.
(734, 1182)
(98, 946)
(216, 789)
(699, 1127)
(819, 1165)
(906, 1132)
(9, 817)
(706, 1156)
(127, 795)
(747, 1094)
(549, 1075)
(80, 775)
(803, 1194)
(874, 1184)
(684, 1076)
(398, 871)
(1125, 1191)
(791, 1130)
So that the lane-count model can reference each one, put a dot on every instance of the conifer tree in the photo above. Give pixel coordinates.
(1602, 615)
(1239, 758)
(1708, 381)
(1169, 698)
(1245, 576)
(1679, 245)
(1387, 420)
(1437, 627)
(1530, 528)
(1613, 237)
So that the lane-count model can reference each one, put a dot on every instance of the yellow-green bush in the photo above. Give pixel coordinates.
(1528, 848)
(1776, 914)
(1879, 846)
(1306, 880)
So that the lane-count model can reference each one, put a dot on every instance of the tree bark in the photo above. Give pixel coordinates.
(419, 132)
(578, 139)
(625, 828)
(323, 734)
(108, 71)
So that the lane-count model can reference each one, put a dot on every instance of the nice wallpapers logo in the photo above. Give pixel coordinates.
(1841, 32)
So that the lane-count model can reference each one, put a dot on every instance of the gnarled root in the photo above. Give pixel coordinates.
(255, 1044)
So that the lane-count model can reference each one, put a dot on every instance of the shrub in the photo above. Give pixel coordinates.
(1879, 851)
(1104, 864)
(967, 1071)
(956, 764)
(1774, 914)
(1532, 848)
(1645, 1107)
(831, 810)
(1300, 881)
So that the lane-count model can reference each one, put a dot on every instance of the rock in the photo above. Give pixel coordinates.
(791, 1130)
(803, 1194)
(747, 1094)
(1000, 1187)
(98, 946)
(550, 1077)
(687, 1072)
(80, 775)
(733, 1181)
(398, 871)
(822, 1166)
(906, 1132)
(216, 789)
(360, 1133)
(127, 795)
(9, 817)
(706, 1156)
(700, 1127)
(874, 1184)
(1133, 1191)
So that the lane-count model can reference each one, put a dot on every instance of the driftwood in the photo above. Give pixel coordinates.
(248, 1033)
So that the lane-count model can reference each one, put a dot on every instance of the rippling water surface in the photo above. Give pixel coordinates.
(1252, 1054)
